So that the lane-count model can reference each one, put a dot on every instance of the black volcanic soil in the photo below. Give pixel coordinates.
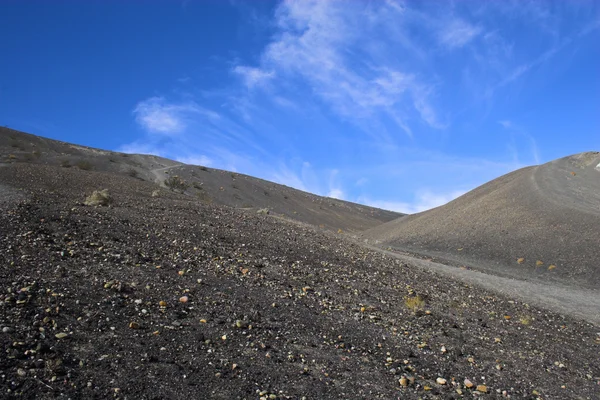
(540, 223)
(274, 310)
(204, 184)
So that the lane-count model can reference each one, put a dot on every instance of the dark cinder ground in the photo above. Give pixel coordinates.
(91, 306)
(275, 310)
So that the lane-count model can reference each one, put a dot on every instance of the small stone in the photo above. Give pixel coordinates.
(468, 383)
(482, 388)
(443, 350)
(183, 299)
(162, 303)
(441, 381)
(6, 329)
(134, 325)
(21, 372)
(61, 335)
(403, 381)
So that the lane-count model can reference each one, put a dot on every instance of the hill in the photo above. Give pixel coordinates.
(204, 184)
(166, 297)
(539, 222)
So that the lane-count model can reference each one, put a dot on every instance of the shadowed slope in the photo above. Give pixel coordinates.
(541, 221)
(205, 184)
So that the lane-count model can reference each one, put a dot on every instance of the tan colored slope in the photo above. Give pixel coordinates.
(204, 184)
(537, 222)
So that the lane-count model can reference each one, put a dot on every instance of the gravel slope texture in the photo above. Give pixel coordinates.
(540, 222)
(204, 184)
(167, 297)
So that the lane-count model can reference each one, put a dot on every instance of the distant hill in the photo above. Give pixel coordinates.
(205, 184)
(538, 222)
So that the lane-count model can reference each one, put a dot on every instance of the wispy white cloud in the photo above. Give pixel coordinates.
(521, 69)
(140, 147)
(336, 194)
(252, 76)
(157, 117)
(335, 190)
(361, 181)
(319, 42)
(515, 147)
(196, 160)
(457, 33)
(506, 124)
(423, 200)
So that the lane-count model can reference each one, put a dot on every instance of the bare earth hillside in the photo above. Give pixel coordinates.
(539, 222)
(124, 294)
(204, 184)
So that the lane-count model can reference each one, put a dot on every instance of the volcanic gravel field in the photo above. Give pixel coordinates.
(166, 297)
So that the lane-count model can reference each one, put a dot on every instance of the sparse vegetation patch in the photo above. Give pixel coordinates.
(98, 198)
(414, 303)
(176, 183)
(84, 165)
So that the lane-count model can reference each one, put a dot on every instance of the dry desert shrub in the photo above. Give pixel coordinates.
(98, 198)
(414, 303)
(176, 183)
(84, 165)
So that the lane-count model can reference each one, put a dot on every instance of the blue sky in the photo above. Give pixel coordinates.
(400, 105)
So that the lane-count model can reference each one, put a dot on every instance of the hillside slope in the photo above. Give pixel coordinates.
(170, 298)
(206, 184)
(537, 222)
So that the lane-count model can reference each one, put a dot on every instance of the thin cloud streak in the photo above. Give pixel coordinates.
(315, 42)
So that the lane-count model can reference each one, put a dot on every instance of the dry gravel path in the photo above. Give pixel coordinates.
(580, 303)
